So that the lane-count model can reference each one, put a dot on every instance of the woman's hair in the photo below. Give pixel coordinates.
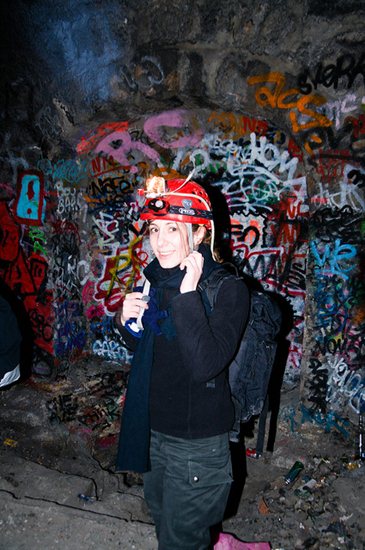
(207, 240)
(207, 236)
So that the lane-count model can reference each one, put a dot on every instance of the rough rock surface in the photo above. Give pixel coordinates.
(59, 489)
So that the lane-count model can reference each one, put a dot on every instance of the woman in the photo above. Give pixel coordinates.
(178, 410)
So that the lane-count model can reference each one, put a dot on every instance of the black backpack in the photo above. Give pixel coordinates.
(250, 370)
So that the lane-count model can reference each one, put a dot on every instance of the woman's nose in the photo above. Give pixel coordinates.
(161, 237)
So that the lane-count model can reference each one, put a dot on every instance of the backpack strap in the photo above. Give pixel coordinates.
(210, 286)
(209, 289)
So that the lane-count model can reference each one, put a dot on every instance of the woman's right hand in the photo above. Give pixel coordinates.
(132, 305)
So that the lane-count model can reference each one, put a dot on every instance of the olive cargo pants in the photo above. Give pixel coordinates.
(187, 488)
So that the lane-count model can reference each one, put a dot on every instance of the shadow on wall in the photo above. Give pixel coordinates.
(221, 218)
(272, 401)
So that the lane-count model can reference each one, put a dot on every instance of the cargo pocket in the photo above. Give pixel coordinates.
(209, 473)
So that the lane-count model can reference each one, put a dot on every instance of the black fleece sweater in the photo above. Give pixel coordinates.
(189, 391)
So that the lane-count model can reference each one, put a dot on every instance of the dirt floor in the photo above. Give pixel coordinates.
(58, 487)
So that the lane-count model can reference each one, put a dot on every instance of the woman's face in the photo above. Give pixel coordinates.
(169, 242)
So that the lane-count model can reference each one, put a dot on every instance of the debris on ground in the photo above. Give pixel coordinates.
(57, 451)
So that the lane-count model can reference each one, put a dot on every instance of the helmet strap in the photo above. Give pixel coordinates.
(190, 236)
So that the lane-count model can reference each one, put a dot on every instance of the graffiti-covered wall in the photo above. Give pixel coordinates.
(250, 163)
(331, 134)
(264, 104)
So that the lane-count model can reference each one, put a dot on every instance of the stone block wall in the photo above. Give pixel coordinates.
(265, 101)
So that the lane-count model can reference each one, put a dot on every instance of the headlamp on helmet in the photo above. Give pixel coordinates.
(155, 186)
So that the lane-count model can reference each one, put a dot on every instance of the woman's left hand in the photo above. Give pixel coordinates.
(194, 268)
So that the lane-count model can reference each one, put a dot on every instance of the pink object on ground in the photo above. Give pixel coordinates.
(229, 542)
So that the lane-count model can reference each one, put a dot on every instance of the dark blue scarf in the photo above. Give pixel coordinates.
(134, 439)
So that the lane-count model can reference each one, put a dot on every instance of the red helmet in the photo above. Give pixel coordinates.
(177, 201)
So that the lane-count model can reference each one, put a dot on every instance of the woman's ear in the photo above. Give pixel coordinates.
(198, 235)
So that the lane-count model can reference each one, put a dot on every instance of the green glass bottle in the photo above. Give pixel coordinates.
(293, 472)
